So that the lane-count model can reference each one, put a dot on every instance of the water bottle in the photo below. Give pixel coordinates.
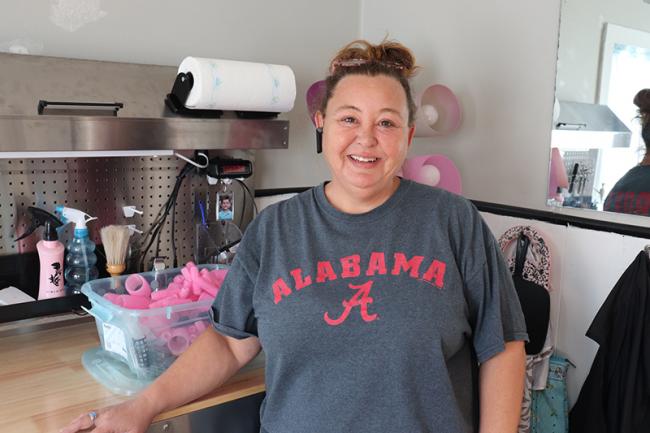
(80, 263)
(81, 259)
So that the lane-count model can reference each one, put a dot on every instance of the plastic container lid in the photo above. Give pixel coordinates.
(119, 379)
(111, 373)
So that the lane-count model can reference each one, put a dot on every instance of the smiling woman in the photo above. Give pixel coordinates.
(382, 305)
(366, 136)
(368, 117)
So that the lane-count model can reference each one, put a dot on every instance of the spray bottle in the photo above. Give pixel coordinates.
(50, 253)
(81, 259)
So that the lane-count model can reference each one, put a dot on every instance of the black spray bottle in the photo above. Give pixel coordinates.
(50, 253)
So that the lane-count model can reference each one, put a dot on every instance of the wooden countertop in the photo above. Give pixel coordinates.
(43, 384)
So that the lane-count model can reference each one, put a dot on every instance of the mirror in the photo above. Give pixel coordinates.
(603, 61)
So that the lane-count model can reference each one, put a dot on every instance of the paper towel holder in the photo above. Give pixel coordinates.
(183, 84)
(175, 100)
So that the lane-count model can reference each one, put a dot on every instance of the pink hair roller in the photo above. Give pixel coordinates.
(135, 302)
(201, 284)
(212, 278)
(179, 341)
(168, 302)
(205, 296)
(136, 284)
(114, 298)
(157, 324)
(185, 272)
(185, 291)
(166, 334)
(188, 285)
(207, 276)
(193, 332)
(166, 293)
(194, 273)
(200, 326)
(219, 275)
(179, 279)
(174, 286)
(211, 290)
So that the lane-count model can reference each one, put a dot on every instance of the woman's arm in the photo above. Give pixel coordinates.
(208, 363)
(501, 387)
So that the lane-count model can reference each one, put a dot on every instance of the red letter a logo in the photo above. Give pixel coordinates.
(360, 299)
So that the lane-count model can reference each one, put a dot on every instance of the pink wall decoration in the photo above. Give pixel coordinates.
(433, 170)
(557, 176)
(315, 95)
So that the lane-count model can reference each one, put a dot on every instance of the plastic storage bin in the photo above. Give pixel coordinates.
(146, 341)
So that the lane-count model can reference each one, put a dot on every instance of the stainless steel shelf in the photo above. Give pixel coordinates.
(142, 124)
(86, 133)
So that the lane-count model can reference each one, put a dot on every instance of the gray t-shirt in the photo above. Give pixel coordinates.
(371, 322)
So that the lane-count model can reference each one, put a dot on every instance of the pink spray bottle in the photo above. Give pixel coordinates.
(50, 253)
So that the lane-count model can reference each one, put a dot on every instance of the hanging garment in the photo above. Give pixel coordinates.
(550, 407)
(535, 271)
(615, 398)
(534, 298)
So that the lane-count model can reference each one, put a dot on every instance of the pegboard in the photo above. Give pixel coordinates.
(101, 187)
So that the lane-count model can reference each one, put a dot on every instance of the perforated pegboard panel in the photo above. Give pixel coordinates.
(100, 187)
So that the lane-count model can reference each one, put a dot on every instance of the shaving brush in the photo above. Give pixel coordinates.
(115, 239)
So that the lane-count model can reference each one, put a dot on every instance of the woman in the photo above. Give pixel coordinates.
(631, 194)
(372, 296)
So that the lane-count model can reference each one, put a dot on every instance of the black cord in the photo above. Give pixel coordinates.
(154, 232)
(243, 209)
(151, 233)
(228, 246)
(175, 260)
(250, 194)
(157, 251)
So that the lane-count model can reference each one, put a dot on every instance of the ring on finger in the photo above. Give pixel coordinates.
(93, 415)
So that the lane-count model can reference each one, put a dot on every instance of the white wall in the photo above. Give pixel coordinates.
(301, 34)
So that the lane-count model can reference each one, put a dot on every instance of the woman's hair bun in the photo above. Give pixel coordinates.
(642, 100)
(392, 55)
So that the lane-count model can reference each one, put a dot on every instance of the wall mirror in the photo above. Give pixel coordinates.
(603, 61)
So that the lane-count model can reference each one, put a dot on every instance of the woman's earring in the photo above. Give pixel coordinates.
(319, 140)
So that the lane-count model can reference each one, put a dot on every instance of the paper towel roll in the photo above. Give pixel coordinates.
(233, 85)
